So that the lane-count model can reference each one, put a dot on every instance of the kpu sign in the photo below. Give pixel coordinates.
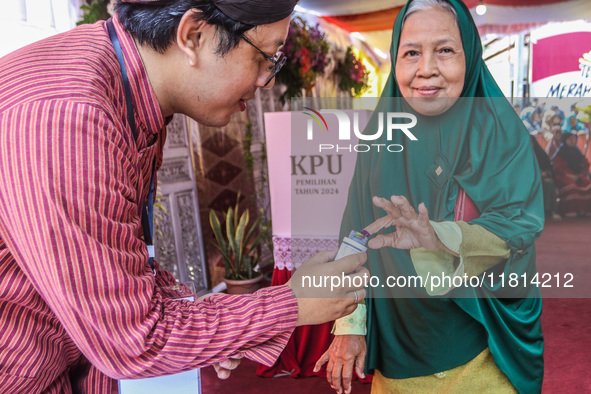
(309, 186)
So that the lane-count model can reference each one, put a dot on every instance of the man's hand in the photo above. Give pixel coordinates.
(412, 230)
(322, 293)
(225, 367)
(344, 353)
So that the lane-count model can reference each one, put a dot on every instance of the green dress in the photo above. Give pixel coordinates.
(480, 145)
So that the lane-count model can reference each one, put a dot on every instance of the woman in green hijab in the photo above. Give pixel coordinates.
(472, 154)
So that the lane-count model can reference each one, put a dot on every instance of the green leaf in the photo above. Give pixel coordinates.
(249, 267)
(236, 210)
(97, 10)
(239, 253)
(255, 243)
(238, 248)
(230, 235)
(253, 228)
(217, 230)
(222, 245)
(228, 266)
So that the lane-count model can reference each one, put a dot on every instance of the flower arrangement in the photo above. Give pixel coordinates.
(307, 51)
(351, 74)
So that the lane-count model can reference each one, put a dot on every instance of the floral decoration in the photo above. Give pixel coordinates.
(351, 74)
(307, 52)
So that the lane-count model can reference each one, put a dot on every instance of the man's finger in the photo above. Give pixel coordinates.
(356, 280)
(229, 364)
(222, 373)
(323, 257)
(349, 263)
(359, 278)
(360, 294)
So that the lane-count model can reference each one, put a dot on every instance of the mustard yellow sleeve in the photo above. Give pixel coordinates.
(474, 248)
(481, 249)
(353, 324)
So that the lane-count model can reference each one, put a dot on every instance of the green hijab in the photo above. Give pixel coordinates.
(482, 147)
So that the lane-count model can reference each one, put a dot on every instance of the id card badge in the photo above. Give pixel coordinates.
(188, 382)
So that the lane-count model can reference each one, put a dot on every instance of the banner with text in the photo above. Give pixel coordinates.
(561, 63)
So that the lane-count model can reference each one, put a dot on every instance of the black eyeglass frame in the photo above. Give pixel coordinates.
(278, 60)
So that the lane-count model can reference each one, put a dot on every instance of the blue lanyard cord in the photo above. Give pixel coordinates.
(147, 210)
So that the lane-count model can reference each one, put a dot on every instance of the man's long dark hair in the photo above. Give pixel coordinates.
(155, 24)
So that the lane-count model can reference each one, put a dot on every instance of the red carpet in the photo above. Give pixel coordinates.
(563, 248)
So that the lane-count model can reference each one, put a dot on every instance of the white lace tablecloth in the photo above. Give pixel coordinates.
(290, 253)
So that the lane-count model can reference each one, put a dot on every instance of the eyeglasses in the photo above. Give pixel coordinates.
(278, 61)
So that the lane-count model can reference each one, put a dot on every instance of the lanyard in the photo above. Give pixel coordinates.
(147, 210)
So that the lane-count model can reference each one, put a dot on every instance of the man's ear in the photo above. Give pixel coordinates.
(190, 35)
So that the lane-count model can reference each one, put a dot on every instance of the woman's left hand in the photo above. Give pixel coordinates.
(412, 230)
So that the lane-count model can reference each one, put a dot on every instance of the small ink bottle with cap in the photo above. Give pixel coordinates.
(355, 243)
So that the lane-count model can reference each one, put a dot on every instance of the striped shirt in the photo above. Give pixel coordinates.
(79, 305)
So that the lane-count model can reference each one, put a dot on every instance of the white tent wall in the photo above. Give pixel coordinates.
(25, 21)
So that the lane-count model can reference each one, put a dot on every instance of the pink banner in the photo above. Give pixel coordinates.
(561, 62)
(559, 54)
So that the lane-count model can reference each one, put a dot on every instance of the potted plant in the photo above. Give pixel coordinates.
(239, 248)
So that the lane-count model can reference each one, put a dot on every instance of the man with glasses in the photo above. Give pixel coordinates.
(82, 126)
(276, 61)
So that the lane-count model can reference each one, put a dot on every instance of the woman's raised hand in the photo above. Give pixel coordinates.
(413, 229)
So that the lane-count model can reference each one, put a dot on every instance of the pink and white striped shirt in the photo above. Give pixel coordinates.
(79, 305)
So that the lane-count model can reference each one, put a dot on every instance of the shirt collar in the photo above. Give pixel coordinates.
(147, 111)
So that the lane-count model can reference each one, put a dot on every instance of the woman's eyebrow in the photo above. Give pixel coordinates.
(409, 44)
(438, 42)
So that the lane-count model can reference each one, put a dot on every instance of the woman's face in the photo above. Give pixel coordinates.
(572, 121)
(571, 141)
(430, 64)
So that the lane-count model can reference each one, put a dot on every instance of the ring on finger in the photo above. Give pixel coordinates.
(356, 296)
